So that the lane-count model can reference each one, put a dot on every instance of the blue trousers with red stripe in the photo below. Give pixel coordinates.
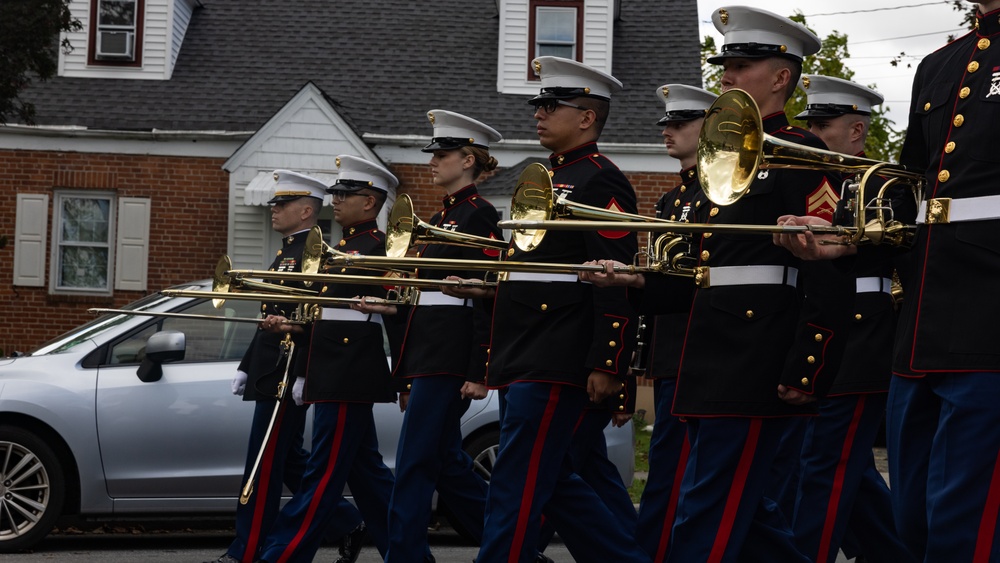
(668, 453)
(283, 464)
(345, 451)
(722, 515)
(533, 472)
(839, 486)
(429, 457)
(589, 458)
(944, 448)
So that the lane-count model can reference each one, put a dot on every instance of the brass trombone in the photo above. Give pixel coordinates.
(405, 230)
(732, 147)
(532, 199)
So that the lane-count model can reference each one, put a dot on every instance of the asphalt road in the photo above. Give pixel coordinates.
(173, 543)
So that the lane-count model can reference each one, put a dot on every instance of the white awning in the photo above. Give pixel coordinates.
(261, 188)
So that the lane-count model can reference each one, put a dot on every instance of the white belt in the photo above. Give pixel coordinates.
(335, 314)
(949, 210)
(438, 298)
(874, 285)
(538, 277)
(751, 275)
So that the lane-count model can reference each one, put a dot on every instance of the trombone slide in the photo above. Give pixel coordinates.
(289, 348)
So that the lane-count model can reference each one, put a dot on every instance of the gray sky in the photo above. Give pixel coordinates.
(877, 30)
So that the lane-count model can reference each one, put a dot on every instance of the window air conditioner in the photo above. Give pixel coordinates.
(115, 45)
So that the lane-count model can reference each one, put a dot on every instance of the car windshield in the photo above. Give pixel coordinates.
(68, 340)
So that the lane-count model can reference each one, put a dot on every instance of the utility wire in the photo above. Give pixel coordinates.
(876, 9)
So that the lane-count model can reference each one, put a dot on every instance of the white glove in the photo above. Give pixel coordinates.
(300, 382)
(239, 382)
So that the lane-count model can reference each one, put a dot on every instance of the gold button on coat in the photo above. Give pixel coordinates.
(612, 343)
(713, 212)
(621, 407)
(950, 147)
(973, 66)
(346, 340)
(749, 314)
(683, 189)
(705, 255)
(622, 396)
(959, 120)
(510, 252)
(857, 317)
(608, 363)
(544, 307)
(811, 359)
(964, 92)
(944, 175)
(805, 381)
(706, 235)
(819, 338)
(983, 44)
(615, 325)
(927, 106)
(677, 203)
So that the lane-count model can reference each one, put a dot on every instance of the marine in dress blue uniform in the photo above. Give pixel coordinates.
(944, 451)
(552, 334)
(343, 374)
(444, 347)
(839, 490)
(764, 331)
(684, 112)
(284, 460)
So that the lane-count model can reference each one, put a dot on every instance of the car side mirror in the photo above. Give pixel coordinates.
(165, 346)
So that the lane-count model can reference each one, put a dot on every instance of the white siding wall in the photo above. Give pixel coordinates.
(306, 141)
(598, 30)
(157, 45)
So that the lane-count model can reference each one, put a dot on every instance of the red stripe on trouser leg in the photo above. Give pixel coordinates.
(527, 496)
(837, 490)
(675, 492)
(317, 497)
(988, 524)
(735, 492)
(260, 495)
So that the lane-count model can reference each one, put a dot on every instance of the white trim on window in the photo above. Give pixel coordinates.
(83, 247)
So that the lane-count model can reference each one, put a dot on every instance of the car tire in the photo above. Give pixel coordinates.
(32, 489)
(483, 451)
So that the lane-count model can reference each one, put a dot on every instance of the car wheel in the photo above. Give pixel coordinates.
(32, 489)
(483, 451)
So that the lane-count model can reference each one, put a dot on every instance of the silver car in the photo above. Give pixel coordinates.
(133, 415)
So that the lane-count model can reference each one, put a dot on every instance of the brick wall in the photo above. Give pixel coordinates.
(187, 233)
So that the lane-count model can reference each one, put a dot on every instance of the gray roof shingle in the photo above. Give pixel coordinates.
(383, 63)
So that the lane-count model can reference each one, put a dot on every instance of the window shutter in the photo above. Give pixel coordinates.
(132, 246)
(31, 227)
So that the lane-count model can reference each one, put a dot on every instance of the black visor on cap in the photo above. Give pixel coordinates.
(347, 185)
(750, 51)
(283, 199)
(829, 110)
(681, 115)
(448, 143)
(560, 93)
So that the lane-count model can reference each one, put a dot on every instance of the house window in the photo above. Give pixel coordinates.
(116, 37)
(83, 242)
(555, 29)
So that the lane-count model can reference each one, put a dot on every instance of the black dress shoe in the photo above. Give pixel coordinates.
(350, 545)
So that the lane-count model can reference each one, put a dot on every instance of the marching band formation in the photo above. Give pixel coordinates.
(773, 358)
